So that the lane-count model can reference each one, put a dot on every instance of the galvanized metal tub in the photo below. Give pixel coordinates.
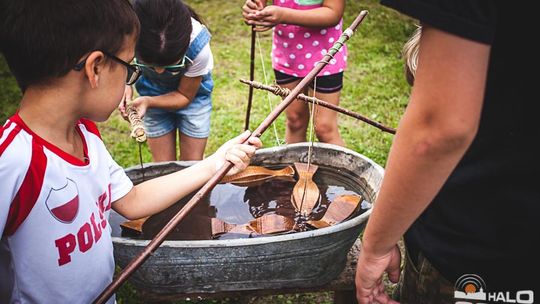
(298, 260)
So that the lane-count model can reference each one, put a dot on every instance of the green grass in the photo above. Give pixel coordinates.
(9, 92)
(374, 86)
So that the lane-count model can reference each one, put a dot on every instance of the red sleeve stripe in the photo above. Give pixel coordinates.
(91, 126)
(29, 191)
(9, 138)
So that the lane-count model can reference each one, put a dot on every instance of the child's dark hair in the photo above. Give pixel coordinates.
(165, 30)
(42, 40)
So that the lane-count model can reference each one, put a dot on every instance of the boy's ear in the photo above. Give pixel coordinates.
(94, 67)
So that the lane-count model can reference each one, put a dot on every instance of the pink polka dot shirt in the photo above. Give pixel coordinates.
(297, 49)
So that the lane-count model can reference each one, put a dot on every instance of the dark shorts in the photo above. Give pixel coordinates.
(325, 84)
(422, 283)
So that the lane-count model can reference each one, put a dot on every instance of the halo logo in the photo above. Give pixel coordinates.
(471, 289)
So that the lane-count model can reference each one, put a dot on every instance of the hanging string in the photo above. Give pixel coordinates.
(270, 105)
(141, 161)
(312, 108)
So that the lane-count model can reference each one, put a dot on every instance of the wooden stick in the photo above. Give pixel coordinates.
(213, 181)
(137, 127)
(251, 76)
(279, 91)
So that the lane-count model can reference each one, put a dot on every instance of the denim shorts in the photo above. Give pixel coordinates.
(193, 122)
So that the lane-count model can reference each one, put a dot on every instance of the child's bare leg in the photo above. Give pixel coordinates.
(191, 148)
(297, 118)
(326, 126)
(163, 148)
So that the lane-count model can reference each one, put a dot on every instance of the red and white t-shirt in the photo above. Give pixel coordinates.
(56, 242)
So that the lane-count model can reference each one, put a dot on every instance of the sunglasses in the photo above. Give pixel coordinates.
(133, 71)
(174, 68)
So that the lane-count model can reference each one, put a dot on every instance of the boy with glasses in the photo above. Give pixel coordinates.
(133, 70)
(58, 181)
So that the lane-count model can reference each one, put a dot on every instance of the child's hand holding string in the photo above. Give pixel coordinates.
(141, 104)
(249, 11)
(250, 7)
(266, 18)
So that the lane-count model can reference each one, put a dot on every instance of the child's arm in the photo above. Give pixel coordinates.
(187, 89)
(159, 193)
(329, 14)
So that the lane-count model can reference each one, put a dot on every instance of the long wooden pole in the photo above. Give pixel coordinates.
(251, 76)
(279, 91)
(210, 184)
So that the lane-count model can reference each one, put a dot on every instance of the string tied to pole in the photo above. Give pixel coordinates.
(277, 90)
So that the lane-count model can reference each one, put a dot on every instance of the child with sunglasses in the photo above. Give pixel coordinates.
(58, 181)
(174, 54)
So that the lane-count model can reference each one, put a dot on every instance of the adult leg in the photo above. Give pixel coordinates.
(326, 120)
(297, 118)
(163, 148)
(191, 148)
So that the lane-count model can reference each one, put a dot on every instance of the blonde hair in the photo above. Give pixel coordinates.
(410, 54)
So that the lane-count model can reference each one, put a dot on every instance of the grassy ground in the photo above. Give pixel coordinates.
(374, 86)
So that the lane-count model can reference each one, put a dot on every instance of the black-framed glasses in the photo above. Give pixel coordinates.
(133, 71)
(173, 68)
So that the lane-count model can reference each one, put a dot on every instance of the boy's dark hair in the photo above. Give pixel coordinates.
(165, 30)
(45, 39)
